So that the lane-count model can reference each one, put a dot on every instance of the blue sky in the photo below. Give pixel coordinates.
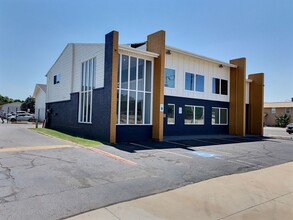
(33, 33)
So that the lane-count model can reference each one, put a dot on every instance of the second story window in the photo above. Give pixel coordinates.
(220, 86)
(194, 82)
(169, 78)
(57, 78)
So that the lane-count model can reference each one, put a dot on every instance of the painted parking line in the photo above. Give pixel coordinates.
(187, 145)
(165, 151)
(113, 156)
(17, 149)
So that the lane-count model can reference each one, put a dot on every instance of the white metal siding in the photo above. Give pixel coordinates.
(60, 91)
(40, 103)
(84, 52)
(184, 63)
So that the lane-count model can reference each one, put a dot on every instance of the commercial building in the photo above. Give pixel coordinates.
(276, 109)
(117, 92)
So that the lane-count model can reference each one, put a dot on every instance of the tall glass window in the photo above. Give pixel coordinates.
(88, 75)
(134, 93)
(219, 116)
(169, 78)
(193, 115)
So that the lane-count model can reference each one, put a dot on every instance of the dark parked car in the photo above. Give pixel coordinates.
(289, 128)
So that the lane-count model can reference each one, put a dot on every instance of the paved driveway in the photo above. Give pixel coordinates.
(45, 178)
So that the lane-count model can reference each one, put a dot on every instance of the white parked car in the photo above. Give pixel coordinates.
(21, 117)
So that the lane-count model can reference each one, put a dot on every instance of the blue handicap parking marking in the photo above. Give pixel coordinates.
(204, 154)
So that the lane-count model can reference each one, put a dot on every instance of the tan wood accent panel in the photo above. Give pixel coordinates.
(237, 111)
(156, 44)
(256, 104)
(113, 119)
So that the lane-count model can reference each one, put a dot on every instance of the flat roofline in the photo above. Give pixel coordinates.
(200, 56)
(141, 52)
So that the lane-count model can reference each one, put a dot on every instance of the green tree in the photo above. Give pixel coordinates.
(29, 103)
(282, 120)
(5, 99)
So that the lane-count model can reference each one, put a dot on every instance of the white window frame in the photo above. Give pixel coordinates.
(273, 110)
(119, 89)
(287, 110)
(195, 106)
(88, 75)
(58, 78)
(194, 83)
(220, 86)
(174, 114)
(227, 114)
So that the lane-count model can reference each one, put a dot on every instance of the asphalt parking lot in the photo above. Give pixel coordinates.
(46, 178)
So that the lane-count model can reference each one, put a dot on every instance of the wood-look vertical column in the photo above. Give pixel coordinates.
(237, 111)
(156, 44)
(256, 104)
(112, 46)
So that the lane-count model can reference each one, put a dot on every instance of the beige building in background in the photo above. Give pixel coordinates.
(273, 109)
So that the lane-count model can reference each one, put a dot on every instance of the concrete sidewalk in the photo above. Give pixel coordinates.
(262, 194)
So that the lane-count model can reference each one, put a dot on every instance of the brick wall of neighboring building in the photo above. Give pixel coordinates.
(270, 118)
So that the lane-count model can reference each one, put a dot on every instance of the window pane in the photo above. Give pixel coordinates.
(117, 107)
(224, 87)
(131, 117)
(89, 119)
(139, 107)
(86, 75)
(124, 74)
(140, 74)
(82, 77)
(215, 116)
(171, 114)
(188, 115)
(133, 73)
(118, 80)
(84, 107)
(81, 107)
(147, 116)
(199, 115)
(199, 83)
(94, 73)
(223, 116)
(169, 78)
(123, 108)
(216, 86)
(189, 81)
(90, 74)
(148, 79)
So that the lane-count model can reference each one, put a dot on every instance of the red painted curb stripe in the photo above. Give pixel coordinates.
(128, 162)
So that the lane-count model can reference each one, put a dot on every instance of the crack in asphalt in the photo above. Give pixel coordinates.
(7, 173)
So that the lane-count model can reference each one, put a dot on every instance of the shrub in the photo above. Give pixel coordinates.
(282, 120)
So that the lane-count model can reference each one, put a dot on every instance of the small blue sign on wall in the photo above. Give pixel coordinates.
(161, 107)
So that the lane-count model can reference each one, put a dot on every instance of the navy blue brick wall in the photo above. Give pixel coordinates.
(126, 133)
(181, 129)
(64, 117)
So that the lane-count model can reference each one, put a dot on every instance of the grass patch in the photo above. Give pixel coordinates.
(77, 140)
